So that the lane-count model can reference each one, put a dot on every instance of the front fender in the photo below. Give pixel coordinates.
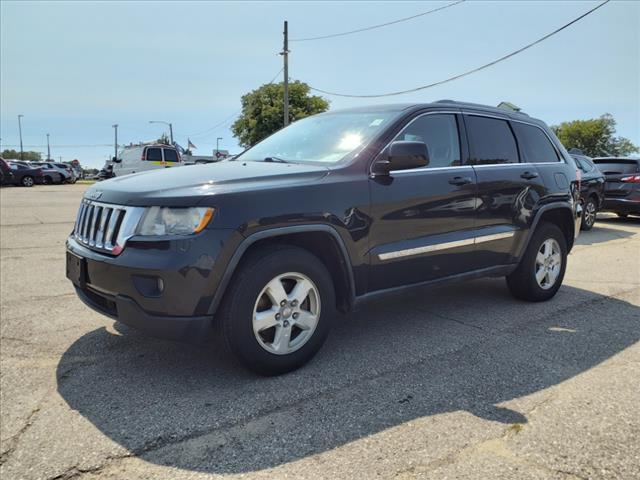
(279, 232)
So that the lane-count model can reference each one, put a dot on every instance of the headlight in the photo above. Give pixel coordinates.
(174, 221)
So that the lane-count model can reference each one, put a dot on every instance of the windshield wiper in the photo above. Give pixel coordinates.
(276, 160)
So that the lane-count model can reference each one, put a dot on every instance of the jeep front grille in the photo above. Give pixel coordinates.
(105, 227)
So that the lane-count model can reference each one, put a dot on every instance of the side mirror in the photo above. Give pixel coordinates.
(403, 155)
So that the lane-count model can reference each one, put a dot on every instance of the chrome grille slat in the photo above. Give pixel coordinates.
(106, 213)
(104, 226)
(109, 240)
(87, 224)
(92, 227)
(76, 228)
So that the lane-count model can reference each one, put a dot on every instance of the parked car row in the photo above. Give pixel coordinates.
(28, 174)
(608, 184)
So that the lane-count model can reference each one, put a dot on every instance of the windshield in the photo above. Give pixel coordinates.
(326, 138)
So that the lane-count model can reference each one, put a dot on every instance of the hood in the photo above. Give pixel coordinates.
(189, 184)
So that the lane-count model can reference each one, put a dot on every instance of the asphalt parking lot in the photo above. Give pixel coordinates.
(458, 382)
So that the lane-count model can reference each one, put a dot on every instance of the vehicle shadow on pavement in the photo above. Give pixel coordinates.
(600, 233)
(393, 362)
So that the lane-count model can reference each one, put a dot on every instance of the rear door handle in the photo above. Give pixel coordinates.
(460, 180)
(529, 175)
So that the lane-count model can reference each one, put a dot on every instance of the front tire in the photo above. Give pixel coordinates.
(589, 213)
(542, 267)
(278, 309)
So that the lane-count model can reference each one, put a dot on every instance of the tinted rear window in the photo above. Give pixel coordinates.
(491, 141)
(170, 155)
(153, 154)
(617, 166)
(534, 144)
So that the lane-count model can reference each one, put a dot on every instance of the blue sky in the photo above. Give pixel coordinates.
(75, 68)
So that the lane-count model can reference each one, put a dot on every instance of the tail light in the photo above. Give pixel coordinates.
(631, 179)
(579, 178)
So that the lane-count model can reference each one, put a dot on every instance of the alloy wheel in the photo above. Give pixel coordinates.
(590, 213)
(286, 313)
(548, 264)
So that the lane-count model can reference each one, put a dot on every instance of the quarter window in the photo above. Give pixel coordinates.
(491, 141)
(153, 154)
(440, 133)
(534, 144)
(170, 155)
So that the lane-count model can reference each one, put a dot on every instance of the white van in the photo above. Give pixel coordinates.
(140, 158)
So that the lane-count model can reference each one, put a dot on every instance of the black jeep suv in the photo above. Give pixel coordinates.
(329, 212)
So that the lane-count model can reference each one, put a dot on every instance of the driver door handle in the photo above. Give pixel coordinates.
(460, 180)
(529, 175)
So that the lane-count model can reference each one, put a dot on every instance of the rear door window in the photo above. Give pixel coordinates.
(153, 154)
(170, 155)
(491, 141)
(535, 146)
(440, 133)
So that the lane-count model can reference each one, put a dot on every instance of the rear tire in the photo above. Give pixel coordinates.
(541, 269)
(270, 322)
(27, 181)
(589, 212)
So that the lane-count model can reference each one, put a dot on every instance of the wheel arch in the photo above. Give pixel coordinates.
(560, 214)
(321, 240)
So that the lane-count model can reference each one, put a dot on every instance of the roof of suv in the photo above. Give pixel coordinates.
(398, 107)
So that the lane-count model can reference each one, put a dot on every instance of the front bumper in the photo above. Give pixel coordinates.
(163, 288)
(127, 311)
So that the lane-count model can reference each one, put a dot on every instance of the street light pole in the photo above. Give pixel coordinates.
(218, 146)
(48, 149)
(115, 142)
(285, 56)
(20, 130)
(165, 123)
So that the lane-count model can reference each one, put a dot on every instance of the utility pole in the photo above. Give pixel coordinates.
(115, 142)
(218, 146)
(285, 56)
(48, 149)
(20, 130)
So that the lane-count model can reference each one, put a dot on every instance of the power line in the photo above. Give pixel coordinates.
(469, 72)
(232, 116)
(372, 27)
(64, 146)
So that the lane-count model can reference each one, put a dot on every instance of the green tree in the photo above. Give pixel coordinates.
(263, 110)
(11, 154)
(595, 137)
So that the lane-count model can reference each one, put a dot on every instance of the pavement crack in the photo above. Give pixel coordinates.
(13, 440)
